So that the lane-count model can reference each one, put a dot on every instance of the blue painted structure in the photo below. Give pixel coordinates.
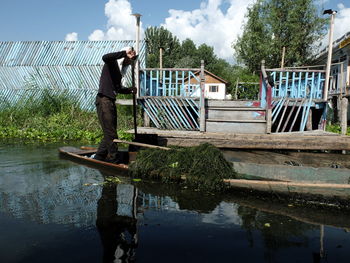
(300, 90)
(170, 97)
(73, 67)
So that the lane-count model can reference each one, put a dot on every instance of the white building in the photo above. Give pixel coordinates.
(215, 87)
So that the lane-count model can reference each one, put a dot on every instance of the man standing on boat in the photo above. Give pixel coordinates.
(113, 71)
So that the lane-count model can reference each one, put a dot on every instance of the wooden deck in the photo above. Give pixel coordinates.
(313, 140)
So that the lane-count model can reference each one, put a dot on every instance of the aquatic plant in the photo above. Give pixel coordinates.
(201, 167)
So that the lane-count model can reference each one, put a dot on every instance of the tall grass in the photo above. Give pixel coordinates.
(55, 116)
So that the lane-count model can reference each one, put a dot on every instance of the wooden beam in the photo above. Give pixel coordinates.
(271, 143)
(127, 102)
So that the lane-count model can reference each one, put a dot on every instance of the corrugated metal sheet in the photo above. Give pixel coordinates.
(70, 66)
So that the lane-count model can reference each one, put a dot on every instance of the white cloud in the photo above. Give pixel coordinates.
(342, 21)
(341, 25)
(120, 26)
(210, 24)
(71, 36)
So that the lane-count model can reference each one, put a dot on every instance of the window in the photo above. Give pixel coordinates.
(213, 88)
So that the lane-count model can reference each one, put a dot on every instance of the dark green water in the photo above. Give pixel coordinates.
(53, 210)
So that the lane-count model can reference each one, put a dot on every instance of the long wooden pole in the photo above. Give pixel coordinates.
(134, 99)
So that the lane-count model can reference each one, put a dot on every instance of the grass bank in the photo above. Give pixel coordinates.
(56, 117)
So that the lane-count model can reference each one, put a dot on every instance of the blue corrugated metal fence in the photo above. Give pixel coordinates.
(61, 66)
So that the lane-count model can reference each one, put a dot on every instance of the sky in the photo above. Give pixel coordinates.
(216, 23)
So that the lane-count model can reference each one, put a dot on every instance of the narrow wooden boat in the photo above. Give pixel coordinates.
(84, 154)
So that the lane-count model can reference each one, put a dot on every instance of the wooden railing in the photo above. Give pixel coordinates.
(294, 89)
(170, 82)
(173, 98)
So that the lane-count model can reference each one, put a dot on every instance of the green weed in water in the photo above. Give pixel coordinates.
(201, 167)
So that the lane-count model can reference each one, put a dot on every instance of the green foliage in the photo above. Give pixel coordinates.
(46, 116)
(201, 167)
(159, 37)
(336, 129)
(242, 80)
(274, 24)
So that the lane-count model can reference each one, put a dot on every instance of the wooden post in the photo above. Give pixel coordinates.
(202, 127)
(344, 115)
(283, 54)
(268, 120)
(309, 121)
(146, 120)
(268, 103)
(236, 90)
(160, 57)
(161, 64)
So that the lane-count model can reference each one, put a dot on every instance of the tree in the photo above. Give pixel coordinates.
(188, 55)
(159, 37)
(274, 24)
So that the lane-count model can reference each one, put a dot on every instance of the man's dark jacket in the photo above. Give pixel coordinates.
(110, 81)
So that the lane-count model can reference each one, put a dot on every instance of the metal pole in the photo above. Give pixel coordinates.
(137, 66)
(202, 98)
(330, 48)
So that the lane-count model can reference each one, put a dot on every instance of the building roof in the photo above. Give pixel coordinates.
(343, 41)
(211, 74)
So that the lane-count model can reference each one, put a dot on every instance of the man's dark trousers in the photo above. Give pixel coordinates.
(107, 115)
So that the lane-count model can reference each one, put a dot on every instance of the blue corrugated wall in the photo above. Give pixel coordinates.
(73, 67)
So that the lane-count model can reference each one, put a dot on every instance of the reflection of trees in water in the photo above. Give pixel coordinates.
(58, 197)
(277, 231)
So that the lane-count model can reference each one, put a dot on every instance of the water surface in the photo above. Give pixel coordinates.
(53, 210)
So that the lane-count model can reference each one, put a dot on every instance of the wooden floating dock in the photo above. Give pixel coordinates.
(309, 140)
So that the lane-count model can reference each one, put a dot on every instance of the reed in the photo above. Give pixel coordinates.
(49, 115)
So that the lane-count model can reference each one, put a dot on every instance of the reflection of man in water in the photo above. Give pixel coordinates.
(117, 232)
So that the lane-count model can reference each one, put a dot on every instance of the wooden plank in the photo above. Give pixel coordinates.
(127, 102)
(231, 103)
(272, 143)
(315, 140)
(237, 120)
(249, 126)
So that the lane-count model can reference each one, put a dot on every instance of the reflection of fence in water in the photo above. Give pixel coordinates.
(149, 201)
